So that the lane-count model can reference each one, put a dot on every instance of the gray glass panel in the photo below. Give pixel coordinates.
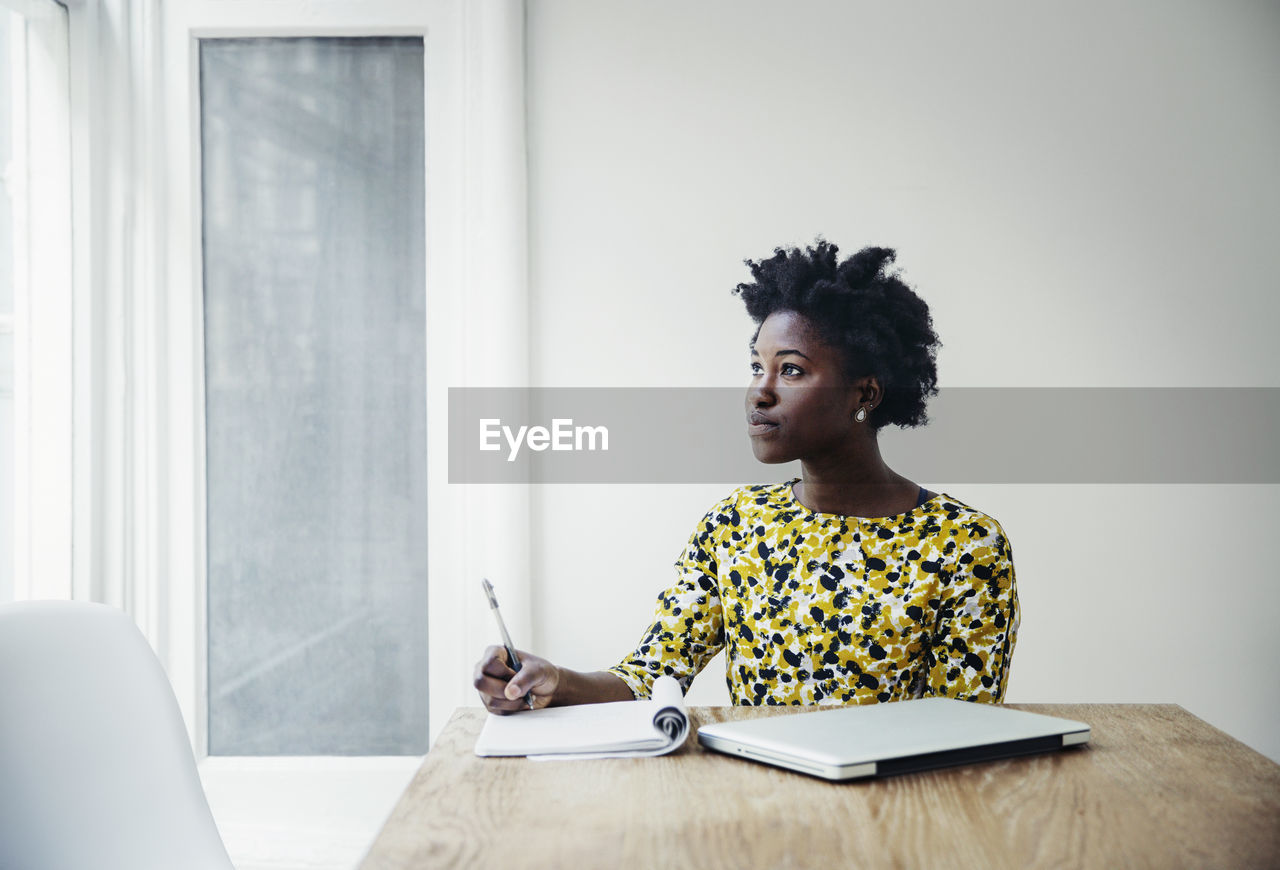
(315, 382)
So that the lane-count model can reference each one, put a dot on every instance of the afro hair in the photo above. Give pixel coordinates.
(878, 323)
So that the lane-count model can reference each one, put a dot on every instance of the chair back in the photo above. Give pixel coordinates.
(96, 769)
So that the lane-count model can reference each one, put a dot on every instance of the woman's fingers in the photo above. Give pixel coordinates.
(538, 678)
(494, 664)
(491, 679)
(503, 690)
(502, 706)
(491, 687)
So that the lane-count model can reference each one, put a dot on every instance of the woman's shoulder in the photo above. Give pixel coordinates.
(965, 522)
(748, 503)
(954, 509)
(764, 498)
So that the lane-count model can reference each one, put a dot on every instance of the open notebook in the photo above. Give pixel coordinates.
(619, 729)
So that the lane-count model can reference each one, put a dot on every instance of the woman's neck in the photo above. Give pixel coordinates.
(858, 484)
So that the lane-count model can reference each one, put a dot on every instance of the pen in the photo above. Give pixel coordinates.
(506, 638)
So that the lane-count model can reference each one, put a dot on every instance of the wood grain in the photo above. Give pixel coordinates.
(1156, 787)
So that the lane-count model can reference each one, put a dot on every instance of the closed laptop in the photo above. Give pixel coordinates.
(886, 739)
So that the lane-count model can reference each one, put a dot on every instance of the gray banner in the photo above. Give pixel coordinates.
(974, 435)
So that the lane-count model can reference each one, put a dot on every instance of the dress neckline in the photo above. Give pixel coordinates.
(788, 494)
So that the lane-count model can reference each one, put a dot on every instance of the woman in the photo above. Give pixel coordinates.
(850, 584)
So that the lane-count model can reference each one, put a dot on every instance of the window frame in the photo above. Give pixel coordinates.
(458, 38)
(139, 409)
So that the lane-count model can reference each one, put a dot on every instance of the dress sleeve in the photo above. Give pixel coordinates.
(978, 622)
(688, 628)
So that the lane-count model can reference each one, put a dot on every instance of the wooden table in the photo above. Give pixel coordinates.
(1156, 787)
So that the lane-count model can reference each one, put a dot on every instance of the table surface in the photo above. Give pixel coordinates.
(1155, 787)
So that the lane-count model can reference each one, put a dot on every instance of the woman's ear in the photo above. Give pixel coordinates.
(867, 392)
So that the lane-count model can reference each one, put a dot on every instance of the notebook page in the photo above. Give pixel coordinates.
(615, 729)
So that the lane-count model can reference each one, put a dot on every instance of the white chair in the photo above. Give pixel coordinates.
(96, 771)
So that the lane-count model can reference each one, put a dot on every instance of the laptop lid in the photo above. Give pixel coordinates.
(897, 737)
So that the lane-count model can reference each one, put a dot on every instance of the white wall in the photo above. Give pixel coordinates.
(1086, 195)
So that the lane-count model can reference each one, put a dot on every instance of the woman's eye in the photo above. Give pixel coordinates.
(790, 369)
(756, 368)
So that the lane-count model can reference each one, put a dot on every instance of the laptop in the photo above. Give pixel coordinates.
(897, 737)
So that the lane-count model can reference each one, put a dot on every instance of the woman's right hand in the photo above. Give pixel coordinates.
(503, 690)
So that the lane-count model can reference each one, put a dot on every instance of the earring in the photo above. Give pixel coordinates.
(861, 416)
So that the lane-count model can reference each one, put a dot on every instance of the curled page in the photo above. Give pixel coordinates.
(669, 716)
(618, 729)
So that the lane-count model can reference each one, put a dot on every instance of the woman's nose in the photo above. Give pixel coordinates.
(760, 394)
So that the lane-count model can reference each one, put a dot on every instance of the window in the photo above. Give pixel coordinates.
(315, 395)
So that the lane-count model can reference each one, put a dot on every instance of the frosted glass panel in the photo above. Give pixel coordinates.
(315, 395)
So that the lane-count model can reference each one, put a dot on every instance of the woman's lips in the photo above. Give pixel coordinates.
(759, 424)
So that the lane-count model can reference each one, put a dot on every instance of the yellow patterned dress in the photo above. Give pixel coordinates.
(815, 608)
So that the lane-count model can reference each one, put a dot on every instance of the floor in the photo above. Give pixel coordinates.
(302, 813)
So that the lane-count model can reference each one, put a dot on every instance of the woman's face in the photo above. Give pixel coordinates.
(800, 404)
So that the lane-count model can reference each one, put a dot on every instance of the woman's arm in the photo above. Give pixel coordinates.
(977, 625)
(593, 687)
(686, 633)
(688, 628)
